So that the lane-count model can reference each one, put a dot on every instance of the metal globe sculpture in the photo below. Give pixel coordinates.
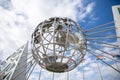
(58, 44)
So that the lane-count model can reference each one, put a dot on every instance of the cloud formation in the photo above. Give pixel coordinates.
(18, 19)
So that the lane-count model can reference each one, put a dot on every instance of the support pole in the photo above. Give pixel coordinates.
(83, 72)
(53, 76)
(67, 75)
(101, 78)
(40, 73)
(116, 14)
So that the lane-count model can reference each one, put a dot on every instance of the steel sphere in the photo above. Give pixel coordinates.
(58, 44)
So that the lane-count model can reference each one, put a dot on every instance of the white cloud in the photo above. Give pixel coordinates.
(85, 11)
(6, 4)
(18, 24)
(12, 35)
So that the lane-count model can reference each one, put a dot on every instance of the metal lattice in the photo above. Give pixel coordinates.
(58, 44)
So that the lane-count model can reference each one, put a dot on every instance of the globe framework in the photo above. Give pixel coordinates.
(58, 44)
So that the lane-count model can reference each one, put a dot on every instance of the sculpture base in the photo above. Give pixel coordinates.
(57, 67)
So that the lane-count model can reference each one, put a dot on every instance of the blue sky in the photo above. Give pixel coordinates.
(102, 12)
(18, 19)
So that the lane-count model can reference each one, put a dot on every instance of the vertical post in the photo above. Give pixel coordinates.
(67, 75)
(40, 73)
(53, 76)
(83, 71)
(101, 78)
(116, 14)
